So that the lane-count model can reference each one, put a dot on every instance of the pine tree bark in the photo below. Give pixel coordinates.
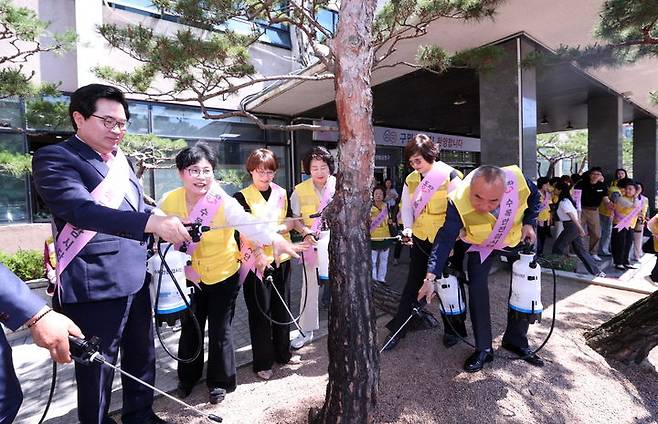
(353, 356)
(631, 334)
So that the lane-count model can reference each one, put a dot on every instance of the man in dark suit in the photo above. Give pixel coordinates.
(19, 306)
(102, 287)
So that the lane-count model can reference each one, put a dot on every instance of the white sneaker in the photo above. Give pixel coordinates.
(597, 258)
(265, 374)
(295, 360)
(299, 341)
(600, 275)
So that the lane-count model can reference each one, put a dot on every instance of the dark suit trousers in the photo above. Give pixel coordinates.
(214, 303)
(11, 396)
(269, 342)
(417, 271)
(620, 244)
(478, 293)
(122, 324)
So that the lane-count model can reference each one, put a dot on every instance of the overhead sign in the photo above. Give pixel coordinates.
(385, 136)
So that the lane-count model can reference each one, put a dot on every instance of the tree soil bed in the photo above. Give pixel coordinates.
(423, 382)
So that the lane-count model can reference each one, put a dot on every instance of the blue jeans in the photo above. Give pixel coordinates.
(606, 231)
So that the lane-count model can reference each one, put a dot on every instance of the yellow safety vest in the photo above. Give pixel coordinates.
(216, 256)
(544, 214)
(261, 210)
(433, 216)
(381, 231)
(309, 201)
(654, 232)
(603, 209)
(625, 211)
(478, 226)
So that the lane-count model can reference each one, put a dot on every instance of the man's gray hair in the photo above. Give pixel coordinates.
(490, 173)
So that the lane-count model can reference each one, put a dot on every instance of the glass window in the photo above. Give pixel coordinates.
(174, 121)
(139, 118)
(49, 113)
(145, 5)
(282, 177)
(328, 19)
(13, 191)
(10, 113)
(276, 136)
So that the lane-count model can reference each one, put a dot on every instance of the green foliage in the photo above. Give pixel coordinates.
(23, 32)
(566, 145)
(558, 262)
(15, 164)
(150, 151)
(48, 112)
(235, 177)
(26, 264)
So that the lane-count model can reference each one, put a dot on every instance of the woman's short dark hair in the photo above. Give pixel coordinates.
(422, 145)
(84, 99)
(541, 181)
(620, 169)
(192, 155)
(318, 153)
(379, 187)
(625, 182)
(262, 158)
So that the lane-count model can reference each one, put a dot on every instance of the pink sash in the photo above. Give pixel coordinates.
(110, 193)
(430, 184)
(509, 205)
(576, 195)
(202, 213)
(625, 221)
(276, 202)
(311, 256)
(381, 217)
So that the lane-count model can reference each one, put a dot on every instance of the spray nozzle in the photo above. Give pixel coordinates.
(85, 351)
(195, 229)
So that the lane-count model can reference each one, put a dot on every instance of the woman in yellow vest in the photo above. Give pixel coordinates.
(621, 239)
(309, 198)
(605, 212)
(268, 316)
(638, 231)
(215, 265)
(380, 235)
(423, 212)
(544, 218)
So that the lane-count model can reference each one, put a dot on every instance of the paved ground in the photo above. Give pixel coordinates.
(34, 367)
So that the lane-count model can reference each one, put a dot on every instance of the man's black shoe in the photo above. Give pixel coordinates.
(620, 267)
(449, 340)
(392, 343)
(216, 395)
(627, 266)
(476, 361)
(525, 354)
(183, 391)
(153, 419)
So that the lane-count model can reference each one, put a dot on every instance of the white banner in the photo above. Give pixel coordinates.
(385, 136)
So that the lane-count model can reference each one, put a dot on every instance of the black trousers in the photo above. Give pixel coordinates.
(570, 237)
(620, 244)
(478, 294)
(543, 232)
(270, 342)
(123, 324)
(215, 304)
(420, 251)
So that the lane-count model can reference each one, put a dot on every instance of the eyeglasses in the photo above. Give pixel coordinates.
(110, 123)
(196, 172)
(265, 172)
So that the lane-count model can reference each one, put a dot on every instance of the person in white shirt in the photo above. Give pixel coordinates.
(573, 231)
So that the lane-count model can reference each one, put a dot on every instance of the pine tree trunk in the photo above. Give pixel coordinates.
(631, 334)
(353, 356)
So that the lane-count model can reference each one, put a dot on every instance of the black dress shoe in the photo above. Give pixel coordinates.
(391, 342)
(627, 266)
(476, 361)
(216, 395)
(183, 391)
(525, 354)
(620, 267)
(449, 340)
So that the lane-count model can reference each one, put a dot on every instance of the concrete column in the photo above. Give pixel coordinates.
(645, 156)
(508, 110)
(604, 135)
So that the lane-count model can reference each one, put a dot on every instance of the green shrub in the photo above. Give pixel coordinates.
(26, 264)
(558, 262)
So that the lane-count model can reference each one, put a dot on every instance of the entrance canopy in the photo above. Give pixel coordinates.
(452, 98)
